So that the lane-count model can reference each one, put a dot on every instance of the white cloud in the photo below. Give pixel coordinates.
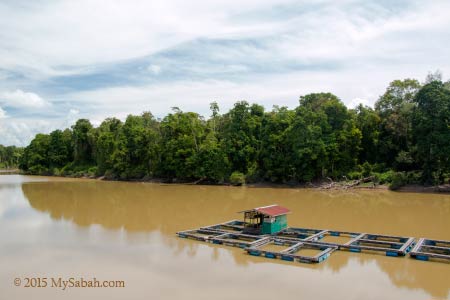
(39, 40)
(155, 69)
(265, 51)
(73, 112)
(357, 101)
(51, 37)
(71, 117)
(21, 131)
(268, 90)
(21, 99)
(2, 113)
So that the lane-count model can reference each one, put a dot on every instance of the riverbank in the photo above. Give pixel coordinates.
(410, 188)
(324, 185)
(445, 188)
(9, 171)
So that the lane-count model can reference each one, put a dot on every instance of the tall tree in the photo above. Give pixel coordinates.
(211, 160)
(241, 132)
(395, 109)
(35, 158)
(276, 153)
(10, 156)
(181, 134)
(60, 150)
(431, 127)
(107, 138)
(137, 152)
(82, 142)
(368, 122)
(324, 137)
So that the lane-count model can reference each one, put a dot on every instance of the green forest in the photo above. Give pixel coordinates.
(10, 156)
(404, 139)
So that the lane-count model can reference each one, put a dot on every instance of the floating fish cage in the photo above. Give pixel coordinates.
(202, 235)
(309, 245)
(301, 233)
(231, 226)
(236, 239)
(427, 249)
(292, 250)
(357, 242)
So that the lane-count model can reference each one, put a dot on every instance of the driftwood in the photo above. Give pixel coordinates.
(196, 182)
(443, 189)
(345, 185)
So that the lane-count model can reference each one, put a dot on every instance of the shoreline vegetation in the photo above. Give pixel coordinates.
(323, 185)
(403, 141)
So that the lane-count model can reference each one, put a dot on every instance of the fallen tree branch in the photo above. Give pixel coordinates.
(346, 185)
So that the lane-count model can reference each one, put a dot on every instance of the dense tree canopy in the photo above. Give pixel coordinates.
(407, 131)
(395, 108)
(10, 156)
(431, 131)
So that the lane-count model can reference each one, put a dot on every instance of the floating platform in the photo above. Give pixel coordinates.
(292, 251)
(237, 239)
(227, 233)
(202, 235)
(427, 249)
(231, 226)
(310, 245)
(355, 241)
(301, 233)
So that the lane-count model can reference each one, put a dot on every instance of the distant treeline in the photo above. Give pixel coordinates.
(10, 156)
(404, 139)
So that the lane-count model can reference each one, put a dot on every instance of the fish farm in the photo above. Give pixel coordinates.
(265, 229)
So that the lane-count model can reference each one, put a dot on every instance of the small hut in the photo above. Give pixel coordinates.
(265, 220)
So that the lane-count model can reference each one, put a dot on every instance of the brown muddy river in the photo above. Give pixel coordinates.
(63, 228)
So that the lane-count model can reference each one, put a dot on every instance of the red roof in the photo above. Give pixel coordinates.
(271, 210)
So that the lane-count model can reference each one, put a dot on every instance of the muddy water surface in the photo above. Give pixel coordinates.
(63, 228)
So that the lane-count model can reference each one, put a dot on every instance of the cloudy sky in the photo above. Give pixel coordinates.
(65, 60)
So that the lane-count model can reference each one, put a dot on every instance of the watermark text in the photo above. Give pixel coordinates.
(66, 283)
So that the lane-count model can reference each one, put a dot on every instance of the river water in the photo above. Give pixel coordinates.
(70, 228)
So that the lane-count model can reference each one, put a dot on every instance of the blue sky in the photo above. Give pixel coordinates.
(64, 60)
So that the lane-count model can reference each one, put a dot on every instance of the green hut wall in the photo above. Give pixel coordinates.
(279, 224)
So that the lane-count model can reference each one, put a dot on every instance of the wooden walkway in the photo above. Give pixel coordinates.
(322, 242)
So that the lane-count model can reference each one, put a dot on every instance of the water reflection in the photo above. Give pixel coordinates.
(127, 229)
(169, 208)
(138, 207)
